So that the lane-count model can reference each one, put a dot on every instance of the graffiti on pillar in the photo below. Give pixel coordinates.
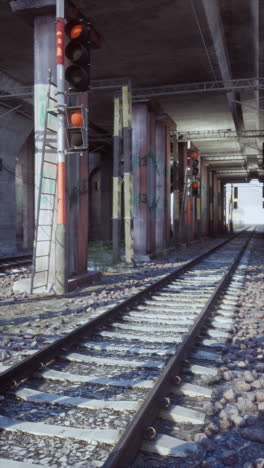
(152, 157)
(74, 196)
(77, 191)
(140, 198)
(142, 161)
(155, 205)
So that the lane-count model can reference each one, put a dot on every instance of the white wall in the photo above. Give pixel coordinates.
(249, 203)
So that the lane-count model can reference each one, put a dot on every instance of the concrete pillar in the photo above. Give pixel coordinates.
(197, 205)
(204, 198)
(26, 158)
(182, 154)
(216, 210)
(78, 199)
(73, 194)
(128, 176)
(193, 219)
(176, 191)
(141, 161)
(106, 194)
(14, 131)
(151, 189)
(44, 59)
(197, 217)
(43, 15)
(167, 186)
(160, 183)
(222, 207)
(95, 195)
(82, 215)
(117, 141)
(211, 202)
(219, 207)
(189, 200)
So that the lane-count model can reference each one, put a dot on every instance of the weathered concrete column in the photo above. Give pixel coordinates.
(160, 183)
(26, 158)
(141, 161)
(42, 15)
(82, 216)
(176, 191)
(128, 186)
(216, 208)
(204, 198)
(77, 225)
(116, 210)
(44, 60)
(167, 186)
(106, 197)
(198, 216)
(83, 212)
(189, 200)
(182, 155)
(78, 199)
(220, 207)
(211, 202)
(151, 188)
(14, 131)
(230, 211)
(73, 194)
(197, 202)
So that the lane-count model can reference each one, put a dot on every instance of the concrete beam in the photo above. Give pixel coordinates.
(215, 26)
(213, 17)
(28, 9)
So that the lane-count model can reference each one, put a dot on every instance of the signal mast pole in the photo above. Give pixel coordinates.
(61, 263)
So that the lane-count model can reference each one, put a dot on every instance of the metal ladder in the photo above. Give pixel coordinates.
(46, 199)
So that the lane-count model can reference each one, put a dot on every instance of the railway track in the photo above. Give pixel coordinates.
(120, 383)
(14, 263)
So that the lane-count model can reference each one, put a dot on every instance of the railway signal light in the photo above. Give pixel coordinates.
(77, 123)
(195, 188)
(195, 164)
(82, 37)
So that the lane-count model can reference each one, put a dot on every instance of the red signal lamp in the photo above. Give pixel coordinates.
(195, 188)
(76, 119)
(83, 31)
(75, 31)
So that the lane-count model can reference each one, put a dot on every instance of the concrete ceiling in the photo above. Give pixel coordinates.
(162, 42)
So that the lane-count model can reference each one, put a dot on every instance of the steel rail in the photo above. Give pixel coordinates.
(11, 262)
(22, 370)
(52, 296)
(128, 446)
